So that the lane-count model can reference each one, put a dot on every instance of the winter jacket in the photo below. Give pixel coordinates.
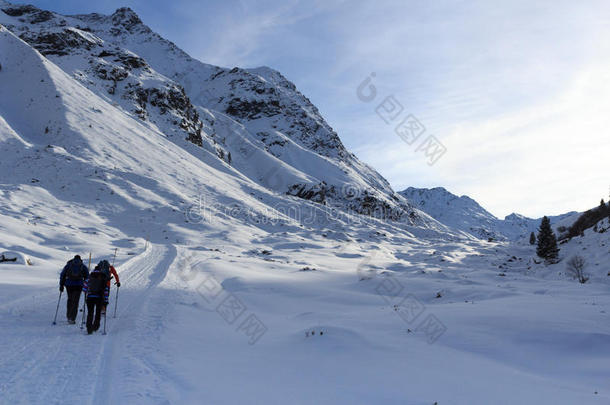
(92, 294)
(66, 280)
(115, 274)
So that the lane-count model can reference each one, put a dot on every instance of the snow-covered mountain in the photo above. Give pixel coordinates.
(467, 215)
(253, 119)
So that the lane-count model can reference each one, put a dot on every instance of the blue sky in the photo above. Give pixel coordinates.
(516, 92)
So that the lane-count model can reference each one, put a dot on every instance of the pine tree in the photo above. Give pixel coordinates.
(547, 242)
(604, 209)
(532, 238)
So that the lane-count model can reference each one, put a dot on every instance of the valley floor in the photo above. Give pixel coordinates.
(227, 325)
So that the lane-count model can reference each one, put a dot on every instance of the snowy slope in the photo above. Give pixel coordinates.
(467, 215)
(521, 226)
(462, 213)
(594, 247)
(254, 119)
(401, 313)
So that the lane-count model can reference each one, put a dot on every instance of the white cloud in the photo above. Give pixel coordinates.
(544, 159)
(516, 92)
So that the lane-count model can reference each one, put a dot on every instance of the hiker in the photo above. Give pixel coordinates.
(110, 272)
(74, 273)
(96, 292)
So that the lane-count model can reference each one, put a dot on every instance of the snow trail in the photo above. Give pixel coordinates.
(60, 364)
(143, 276)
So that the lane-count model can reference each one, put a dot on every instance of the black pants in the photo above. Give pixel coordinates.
(73, 300)
(94, 306)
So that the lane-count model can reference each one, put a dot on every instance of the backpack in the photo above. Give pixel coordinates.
(104, 267)
(97, 283)
(74, 270)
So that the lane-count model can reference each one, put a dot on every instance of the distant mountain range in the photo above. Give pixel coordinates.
(465, 214)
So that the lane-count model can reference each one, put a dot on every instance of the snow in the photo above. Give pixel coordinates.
(195, 234)
(465, 214)
(310, 155)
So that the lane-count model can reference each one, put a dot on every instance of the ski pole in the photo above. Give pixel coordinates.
(57, 309)
(104, 332)
(82, 323)
(116, 301)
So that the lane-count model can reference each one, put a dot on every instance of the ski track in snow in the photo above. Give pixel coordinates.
(132, 319)
(67, 365)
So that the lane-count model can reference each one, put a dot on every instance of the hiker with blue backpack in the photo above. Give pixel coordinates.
(72, 277)
(110, 272)
(96, 289)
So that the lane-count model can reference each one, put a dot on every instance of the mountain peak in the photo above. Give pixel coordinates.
(437, 192)
(515, 217)
(461, 213)
(468, 215)
(125, 17)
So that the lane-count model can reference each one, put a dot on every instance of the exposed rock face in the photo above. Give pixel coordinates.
(253, 119)
(126, 18)
(264, 94)
(61, 42)
(100, 64)
(29, 14)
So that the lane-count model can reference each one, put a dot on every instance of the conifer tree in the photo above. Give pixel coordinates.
(547, 242)
(604, 209)
(532, 238)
